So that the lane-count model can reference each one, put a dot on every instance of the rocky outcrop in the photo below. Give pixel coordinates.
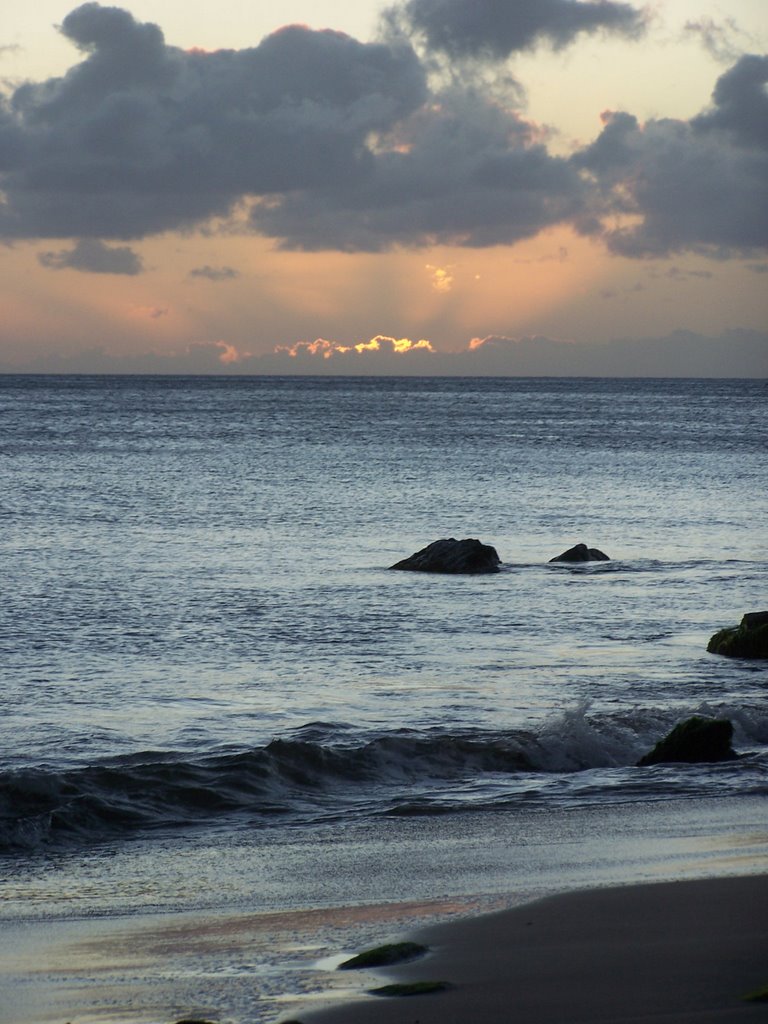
(581, 553)
(747, 640)
(696, 740)
(453, 556)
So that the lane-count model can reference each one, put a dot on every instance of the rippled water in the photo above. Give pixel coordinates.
(199, 623)
(216, 696)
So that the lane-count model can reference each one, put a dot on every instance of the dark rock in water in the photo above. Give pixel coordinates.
(754, 619)
(581, 553)
(696, 740)
(747, 640)
(457, 556)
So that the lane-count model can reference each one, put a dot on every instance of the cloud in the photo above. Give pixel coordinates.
(152, 312)
(681, 274)
(322, 142)
(698, 185)
(376, 354)
(141, 137)
(495, 29)
(461, 170)
(94, 257)
(737, 353)
(724, 41)
(215, 273)
(740, 104)
(216, 357)
(680, 354)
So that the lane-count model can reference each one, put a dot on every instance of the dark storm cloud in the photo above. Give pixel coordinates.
(94, 257)
(141, 137)
(497, 28)
(461, 170)
(215, 273)
(694, 185)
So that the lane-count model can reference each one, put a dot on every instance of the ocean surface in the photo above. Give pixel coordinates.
(215, 692)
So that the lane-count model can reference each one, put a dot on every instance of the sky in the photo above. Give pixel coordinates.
(513, 187)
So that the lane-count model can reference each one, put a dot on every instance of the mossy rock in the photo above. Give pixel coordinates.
(411, 988)
(694, 741)
(760, 995)
(747, 640)
(384, 956)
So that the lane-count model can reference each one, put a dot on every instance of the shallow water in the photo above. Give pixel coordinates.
(109, 936)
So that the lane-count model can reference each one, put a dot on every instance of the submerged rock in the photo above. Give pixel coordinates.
(747, 640)
(581, 553)
(696, 740)
(454, 556)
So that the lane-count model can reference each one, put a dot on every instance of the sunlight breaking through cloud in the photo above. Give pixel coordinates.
(442, 277)
(381, 343)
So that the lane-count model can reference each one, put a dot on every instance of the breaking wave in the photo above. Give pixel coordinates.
(327, 772)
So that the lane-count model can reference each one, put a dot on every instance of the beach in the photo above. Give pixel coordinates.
(682, 951)
(618, 908)
(679, 952)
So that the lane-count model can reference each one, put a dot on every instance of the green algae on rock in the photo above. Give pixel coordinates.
(760, 995)
(384, 956)
(411, 988)
(747, 640)
(696, 740)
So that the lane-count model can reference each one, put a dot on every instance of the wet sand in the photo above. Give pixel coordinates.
(669, 953)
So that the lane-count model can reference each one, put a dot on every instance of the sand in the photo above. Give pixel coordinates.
(671, 953)
(679, 952)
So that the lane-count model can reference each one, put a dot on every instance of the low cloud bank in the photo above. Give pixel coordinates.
(738, 353)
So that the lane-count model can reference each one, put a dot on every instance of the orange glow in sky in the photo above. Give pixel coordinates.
(518, 160)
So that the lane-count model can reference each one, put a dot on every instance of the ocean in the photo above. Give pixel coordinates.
(217, 696)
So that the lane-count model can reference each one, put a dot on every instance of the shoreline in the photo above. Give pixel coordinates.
(657, 952)
(291, 908)
(682, 951)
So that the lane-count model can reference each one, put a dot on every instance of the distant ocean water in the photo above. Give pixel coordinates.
(202, 643)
